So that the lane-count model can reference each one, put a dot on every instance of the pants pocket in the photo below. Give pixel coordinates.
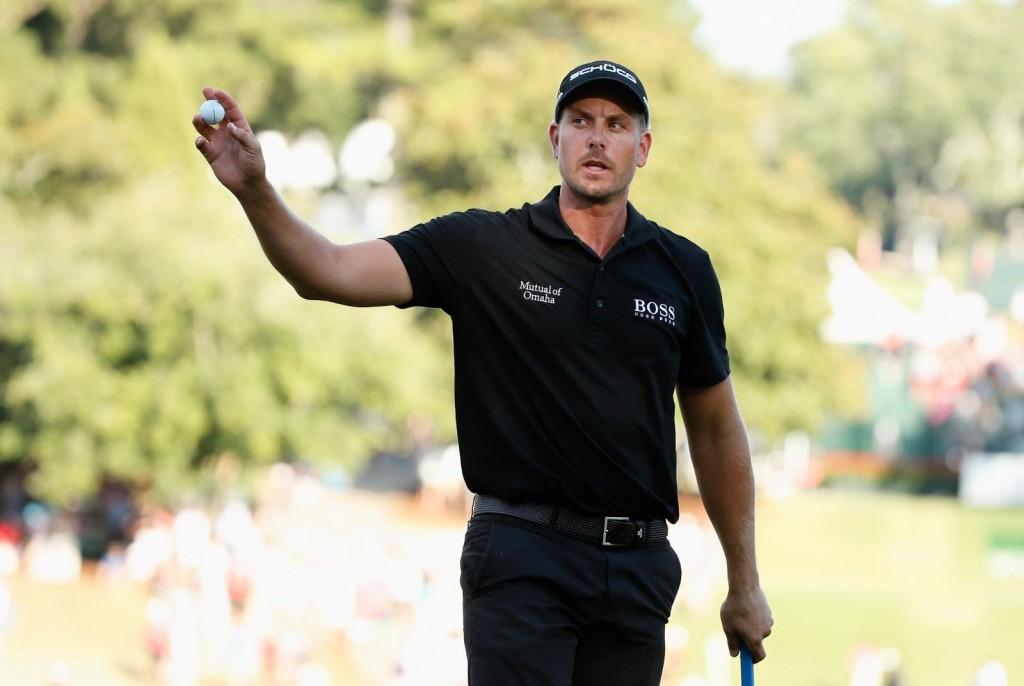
(476, 552)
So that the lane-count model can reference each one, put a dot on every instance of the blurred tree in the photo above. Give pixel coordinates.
(142, 333)
(914, 110)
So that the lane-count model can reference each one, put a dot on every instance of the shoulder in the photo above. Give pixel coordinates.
(476, 219)
(641, 230)
(682, 249)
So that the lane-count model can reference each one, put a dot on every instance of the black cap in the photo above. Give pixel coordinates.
(602, 70)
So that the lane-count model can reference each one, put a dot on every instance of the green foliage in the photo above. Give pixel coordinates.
(159, 339)
(143, 334)
(913, 109)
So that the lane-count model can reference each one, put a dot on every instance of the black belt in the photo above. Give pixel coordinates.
(609, 531)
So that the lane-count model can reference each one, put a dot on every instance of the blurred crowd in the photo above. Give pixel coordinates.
(972, 389)
(321, 585)
(311, 583)
(314, 585)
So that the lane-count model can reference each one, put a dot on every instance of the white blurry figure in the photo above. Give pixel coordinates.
(365, 156)
(236, 529)
(150, 549)
(701, 559)
(312, 674)
(234, 525)
(336, 597)
(433, 654)
(54, 558)
(719, 662)
(10, 558)
(6, 615)
(311, 163)
(891, 661)
(440, 473)
(191, 531)
(867, 668)
(992, 673)
(59, 674)
(184, 650)
(214, 605)
(276, 154)
(158, 628)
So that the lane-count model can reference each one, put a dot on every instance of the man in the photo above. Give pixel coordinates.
(575, 322)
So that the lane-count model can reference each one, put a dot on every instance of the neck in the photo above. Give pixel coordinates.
(599, 225)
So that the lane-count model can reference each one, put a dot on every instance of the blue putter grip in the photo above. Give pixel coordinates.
(746, 667)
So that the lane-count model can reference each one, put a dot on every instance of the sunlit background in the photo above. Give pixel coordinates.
(207, 481)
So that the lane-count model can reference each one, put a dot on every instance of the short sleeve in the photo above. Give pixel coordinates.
(436, 255)
(705, 356)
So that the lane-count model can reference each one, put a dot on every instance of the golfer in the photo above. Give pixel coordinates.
(576, 321)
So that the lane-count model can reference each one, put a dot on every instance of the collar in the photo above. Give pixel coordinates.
(546, 220)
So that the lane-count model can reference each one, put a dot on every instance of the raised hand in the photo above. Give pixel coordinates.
(231, 148)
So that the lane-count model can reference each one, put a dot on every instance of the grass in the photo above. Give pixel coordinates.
(847, 569)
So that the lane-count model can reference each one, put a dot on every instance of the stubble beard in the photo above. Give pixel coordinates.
(597, 193)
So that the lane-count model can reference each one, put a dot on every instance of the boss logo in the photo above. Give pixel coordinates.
(649, 309)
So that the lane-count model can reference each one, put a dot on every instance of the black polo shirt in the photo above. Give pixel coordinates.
(565, 363)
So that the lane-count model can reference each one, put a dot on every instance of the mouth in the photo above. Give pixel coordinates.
(595, 166)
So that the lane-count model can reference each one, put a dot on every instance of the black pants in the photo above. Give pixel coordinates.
(544, 609)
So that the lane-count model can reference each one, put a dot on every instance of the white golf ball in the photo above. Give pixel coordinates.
(212, 112)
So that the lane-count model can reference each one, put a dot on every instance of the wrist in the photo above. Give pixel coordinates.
(255, 192)
(744, 580)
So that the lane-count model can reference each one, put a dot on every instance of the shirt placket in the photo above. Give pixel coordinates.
(598, 316)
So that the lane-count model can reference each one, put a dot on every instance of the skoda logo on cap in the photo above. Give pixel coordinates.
(603, 70)
(607, 66)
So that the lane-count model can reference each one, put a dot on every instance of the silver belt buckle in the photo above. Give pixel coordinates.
(604, 534)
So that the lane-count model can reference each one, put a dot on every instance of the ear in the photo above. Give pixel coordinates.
(646, 139)
(553, 136)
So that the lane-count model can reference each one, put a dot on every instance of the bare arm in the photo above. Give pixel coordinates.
(721, 461)
(360, 274)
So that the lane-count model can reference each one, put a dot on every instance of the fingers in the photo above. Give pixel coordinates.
(205, 131)
(753, 643)
(234, 121)
(245, 138)
(231, 149)
(200, 125)
(756, 650)
(232, 112)
(747, 620)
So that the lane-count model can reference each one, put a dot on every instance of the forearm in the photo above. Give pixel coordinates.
(721, 459)
(726, 483)
(302, 255)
